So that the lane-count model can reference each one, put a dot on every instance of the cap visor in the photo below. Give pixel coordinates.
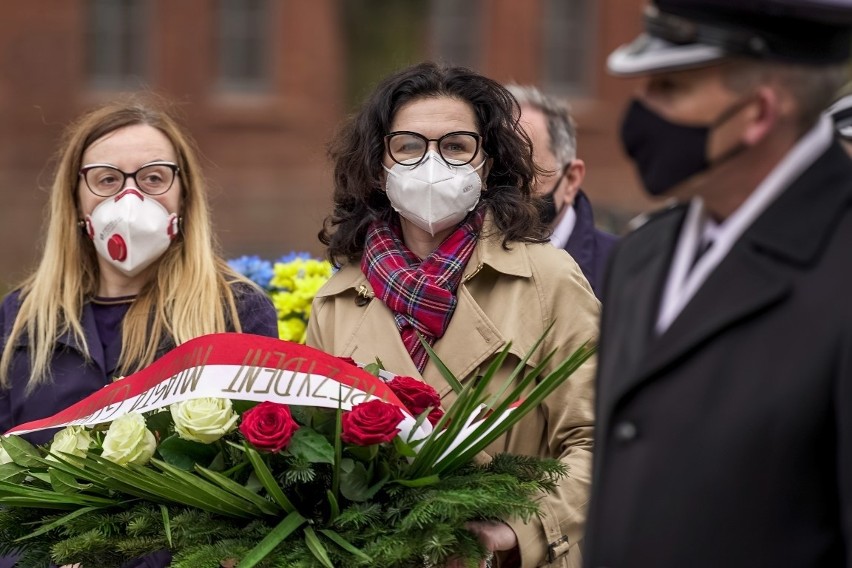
(648, 54)
(841, 113)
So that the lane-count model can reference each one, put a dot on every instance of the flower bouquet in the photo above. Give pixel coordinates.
(291, 282)
(242, 450)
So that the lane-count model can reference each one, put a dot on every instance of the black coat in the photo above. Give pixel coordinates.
(727, 440)
(590, 247)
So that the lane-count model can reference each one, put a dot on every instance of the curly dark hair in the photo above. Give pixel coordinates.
(359, 147)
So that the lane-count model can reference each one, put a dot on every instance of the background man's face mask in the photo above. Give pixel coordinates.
(433, 195)
(549, 213)
(131, 231)
(667, 153)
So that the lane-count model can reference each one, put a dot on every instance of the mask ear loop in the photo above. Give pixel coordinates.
(725, 116)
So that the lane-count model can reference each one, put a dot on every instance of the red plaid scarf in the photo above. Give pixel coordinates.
(421, 294)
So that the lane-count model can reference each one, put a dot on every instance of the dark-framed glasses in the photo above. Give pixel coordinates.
(409, 148)
(105, 180)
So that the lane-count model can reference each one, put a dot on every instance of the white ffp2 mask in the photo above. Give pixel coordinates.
(131, 230)
(433, 195)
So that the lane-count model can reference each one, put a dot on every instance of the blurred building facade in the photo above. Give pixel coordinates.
(263, 84)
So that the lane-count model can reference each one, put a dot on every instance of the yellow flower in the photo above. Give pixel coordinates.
(286, 303)
(203, 420)
(128, 440)
(292, 329)
(74, 440)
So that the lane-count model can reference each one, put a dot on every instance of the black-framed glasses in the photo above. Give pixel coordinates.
(105, 180)
(455, 148)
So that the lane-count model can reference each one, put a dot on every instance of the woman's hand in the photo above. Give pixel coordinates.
(494, 535)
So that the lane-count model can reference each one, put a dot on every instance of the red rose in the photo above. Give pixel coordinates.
(349, 360)
(417, 396)
(372, 422)
(268, 426)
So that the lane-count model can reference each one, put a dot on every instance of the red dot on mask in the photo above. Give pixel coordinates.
(116, 247)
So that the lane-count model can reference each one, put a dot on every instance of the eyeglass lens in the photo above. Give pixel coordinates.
(153, 179)
(456, 148)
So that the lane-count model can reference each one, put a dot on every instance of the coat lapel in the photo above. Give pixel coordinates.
(377, 321)
(636, 301)
(743, 284)
(756, 275)
(471, 328)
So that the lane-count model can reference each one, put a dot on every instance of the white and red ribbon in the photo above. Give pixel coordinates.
(237, 367)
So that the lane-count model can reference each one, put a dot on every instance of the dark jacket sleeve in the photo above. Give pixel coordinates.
(255, 310)
(8, 311)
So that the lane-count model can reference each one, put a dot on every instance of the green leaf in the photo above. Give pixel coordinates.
(167, 525)
(184, 454)
(374, 368)
(12, 472)
(242, 406)
(345, 544)
(159, 422)
(311, 446)
(268, 480)
(240, 491)
(205, 490)
(63, 482)
(365, 454)
(333, 505)
(316, 547)
(355, 484)
(338, 446)
(403, 449)
(420, 482)
(58, 523)
(275, 537)
(22, 452)
(444, 370)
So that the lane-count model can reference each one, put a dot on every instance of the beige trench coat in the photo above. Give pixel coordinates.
(504, 296)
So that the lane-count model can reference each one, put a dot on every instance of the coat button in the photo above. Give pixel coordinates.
(625, 431)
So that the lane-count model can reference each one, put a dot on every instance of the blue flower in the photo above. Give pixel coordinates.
(293, 255)
(254, 268)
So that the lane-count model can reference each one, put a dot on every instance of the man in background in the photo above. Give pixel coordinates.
(551, 128)
(724, 390)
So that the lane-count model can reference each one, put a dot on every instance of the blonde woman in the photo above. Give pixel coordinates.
(129, 269)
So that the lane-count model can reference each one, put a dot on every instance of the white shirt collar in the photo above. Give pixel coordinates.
(562, 231)
(682, 283)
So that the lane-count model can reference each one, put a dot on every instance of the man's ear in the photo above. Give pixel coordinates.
(763, 115)
(574, 179)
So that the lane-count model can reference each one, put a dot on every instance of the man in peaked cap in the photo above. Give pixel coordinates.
(724, 399)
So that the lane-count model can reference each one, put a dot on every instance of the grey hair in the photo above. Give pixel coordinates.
(813, 87)
(561, 128)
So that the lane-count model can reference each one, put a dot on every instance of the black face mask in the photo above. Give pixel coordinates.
(667, 153)
(549, 213)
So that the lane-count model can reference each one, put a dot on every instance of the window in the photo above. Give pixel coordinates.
(117, 41)
(566, 45)
(243, 44)
(456, 31)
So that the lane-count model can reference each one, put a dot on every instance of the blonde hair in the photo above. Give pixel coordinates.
(189, 293)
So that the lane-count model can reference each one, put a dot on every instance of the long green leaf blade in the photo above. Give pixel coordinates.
(316, 547)
(268, 480)
(277, 535)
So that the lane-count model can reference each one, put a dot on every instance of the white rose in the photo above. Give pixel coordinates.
(203, 420)
(4, 455)
(129, 441)
(74, 440)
